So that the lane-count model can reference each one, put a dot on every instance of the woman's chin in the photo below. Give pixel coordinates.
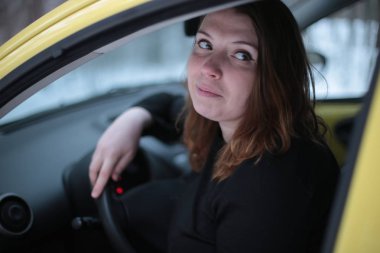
(206, 111)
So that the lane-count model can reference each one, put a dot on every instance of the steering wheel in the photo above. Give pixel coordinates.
(110, 223)
(111, 208)
(112, 212)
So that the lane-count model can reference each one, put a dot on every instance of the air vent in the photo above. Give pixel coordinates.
(16, 217)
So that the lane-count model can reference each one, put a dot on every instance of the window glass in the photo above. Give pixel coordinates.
(343, 49)
(157, 58)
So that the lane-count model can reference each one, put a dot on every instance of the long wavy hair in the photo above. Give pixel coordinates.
(281, 103)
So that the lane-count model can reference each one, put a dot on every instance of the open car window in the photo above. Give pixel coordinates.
(154, 59)
(343, 48)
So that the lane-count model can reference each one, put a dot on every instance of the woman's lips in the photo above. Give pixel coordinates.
(206, 92)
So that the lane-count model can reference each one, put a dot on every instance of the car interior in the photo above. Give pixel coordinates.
(45, 152)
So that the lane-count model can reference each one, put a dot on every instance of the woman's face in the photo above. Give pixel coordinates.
(221, 68)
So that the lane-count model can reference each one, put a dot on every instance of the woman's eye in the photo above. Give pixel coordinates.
(204, 44)
(243, 56)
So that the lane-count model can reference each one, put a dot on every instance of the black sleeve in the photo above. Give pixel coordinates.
(165, 109)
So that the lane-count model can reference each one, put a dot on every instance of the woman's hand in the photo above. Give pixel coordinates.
(117, 147)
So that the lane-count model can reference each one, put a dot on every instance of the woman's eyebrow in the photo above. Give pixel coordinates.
(246, 43)
(204, 33)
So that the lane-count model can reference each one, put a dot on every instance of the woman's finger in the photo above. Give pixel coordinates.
(95, 166)
(121, 165)
(103, 177)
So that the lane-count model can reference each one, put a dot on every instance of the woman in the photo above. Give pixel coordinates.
(264, 178)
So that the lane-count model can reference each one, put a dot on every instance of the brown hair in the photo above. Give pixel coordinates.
(280, 106)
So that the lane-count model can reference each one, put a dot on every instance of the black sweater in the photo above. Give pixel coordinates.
(280, 204)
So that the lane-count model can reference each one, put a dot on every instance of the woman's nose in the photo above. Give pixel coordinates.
(212, 67)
